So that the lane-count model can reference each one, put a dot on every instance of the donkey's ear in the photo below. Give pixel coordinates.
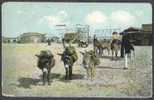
(60, 54)
(52, 55)
(82, 52)
(37, 55)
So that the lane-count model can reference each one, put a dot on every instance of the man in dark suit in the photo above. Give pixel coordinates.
(49, 42)
(126, 48)
(123, 43)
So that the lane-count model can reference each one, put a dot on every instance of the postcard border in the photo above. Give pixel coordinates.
(76, 98)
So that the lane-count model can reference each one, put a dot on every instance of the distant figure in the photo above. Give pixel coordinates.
(49, 42)
(122, 45)
(115, 44)
(126, 48)
(82, 43)
(115, 36)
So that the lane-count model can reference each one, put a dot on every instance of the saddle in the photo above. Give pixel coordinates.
(116, 41)
(46, 53)
(71, 52)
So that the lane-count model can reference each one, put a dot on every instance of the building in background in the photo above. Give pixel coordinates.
(9, 39)
(31, 37)
(54, 39)
(106, 33)
(147, 28)
(140, 36)
(83, 32)
(147, 34)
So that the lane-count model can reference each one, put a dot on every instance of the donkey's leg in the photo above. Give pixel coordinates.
(48, 77)
(98, 52)
(102, 52)
(93, 73)
(129, 55)
(112, 53)
(88, 72)
(67, 73)
(44, 78)
(116, 53)
(70, 72)
(134, 53)
(44, 70)
(108, 50)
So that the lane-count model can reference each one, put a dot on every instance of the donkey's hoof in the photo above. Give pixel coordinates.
(125, 68)
(66, 78)
(70, 78)
(92, 80)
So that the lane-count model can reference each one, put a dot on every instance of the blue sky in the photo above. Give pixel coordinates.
(20, 17)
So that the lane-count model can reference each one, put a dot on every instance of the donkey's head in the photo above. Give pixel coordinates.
(44, 58)
(87, 59)
(67, 60)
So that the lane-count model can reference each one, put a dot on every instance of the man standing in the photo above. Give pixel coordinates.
(122, 44)
(125, 49)
(49, 42)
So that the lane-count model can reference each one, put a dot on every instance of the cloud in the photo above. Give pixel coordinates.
(26, 13)
(96, 17)
(62, 14)
(57, 19)
(52, 20)
(123, 18)
(19, 12)
(139, 13)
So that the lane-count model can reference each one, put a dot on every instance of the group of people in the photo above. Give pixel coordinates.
(119, 42)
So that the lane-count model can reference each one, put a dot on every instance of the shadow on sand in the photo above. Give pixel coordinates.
(110, 58)
(25, 82)
(108, 67)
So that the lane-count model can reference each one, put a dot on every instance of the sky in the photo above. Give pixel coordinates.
(21, 17)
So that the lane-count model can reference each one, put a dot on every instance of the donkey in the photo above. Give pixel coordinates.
(100, 46)
(69, 57)
(106, 45)
(82, 43)
(45, 62)
(89, 63)
(115, 47)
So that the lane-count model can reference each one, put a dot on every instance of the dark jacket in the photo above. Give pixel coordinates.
(126, 46)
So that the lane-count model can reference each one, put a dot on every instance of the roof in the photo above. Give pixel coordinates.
(115, 33)
(32, 34)
(9, 37)
(55, 37)
(130, 29)
(146, 24)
